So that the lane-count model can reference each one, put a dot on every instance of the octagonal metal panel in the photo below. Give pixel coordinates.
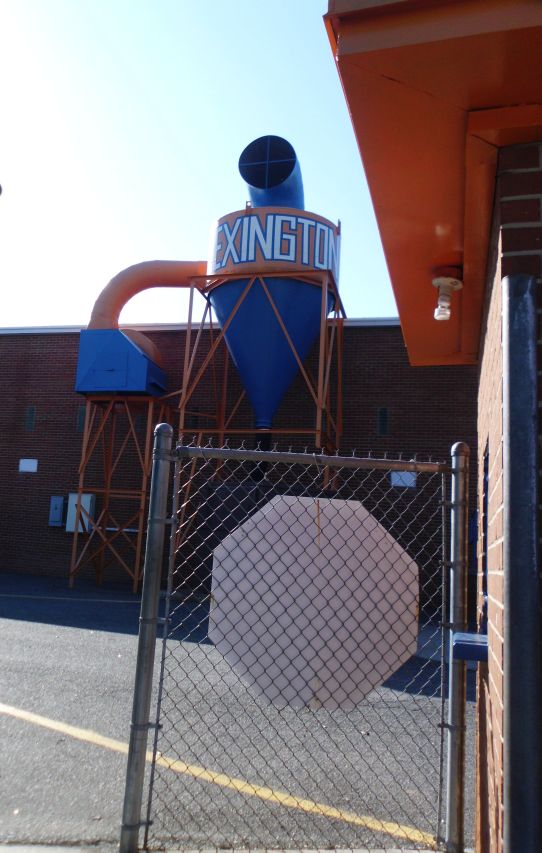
(314, 603)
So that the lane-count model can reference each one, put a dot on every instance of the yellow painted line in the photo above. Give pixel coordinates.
(86, 735)
(397, 830)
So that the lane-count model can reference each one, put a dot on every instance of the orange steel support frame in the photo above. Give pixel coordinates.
(327, 425)
(110, 428)
(110, 433)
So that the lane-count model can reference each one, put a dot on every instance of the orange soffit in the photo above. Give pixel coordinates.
(272, 239)
(434, 89)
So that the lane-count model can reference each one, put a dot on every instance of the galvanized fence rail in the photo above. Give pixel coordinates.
(301, 692)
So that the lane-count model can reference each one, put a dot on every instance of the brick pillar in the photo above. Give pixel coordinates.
(516, 248)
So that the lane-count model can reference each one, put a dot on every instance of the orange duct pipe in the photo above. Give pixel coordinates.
(134, 279)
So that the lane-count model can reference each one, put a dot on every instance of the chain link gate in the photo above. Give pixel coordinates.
(301, 684)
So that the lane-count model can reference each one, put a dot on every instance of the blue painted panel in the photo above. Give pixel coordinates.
(469, 646)
(110, 362)
(256, 341)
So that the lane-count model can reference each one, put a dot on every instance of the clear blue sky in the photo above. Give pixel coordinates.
(122, 122)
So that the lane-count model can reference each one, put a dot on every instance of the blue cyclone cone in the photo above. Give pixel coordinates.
(255, 339)
(258, 345)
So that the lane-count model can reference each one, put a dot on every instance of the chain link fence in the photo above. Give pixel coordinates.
(300, 698)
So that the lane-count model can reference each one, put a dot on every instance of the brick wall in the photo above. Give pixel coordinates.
(516, 248)
(426, 410)
(490, 707)
(38, 371)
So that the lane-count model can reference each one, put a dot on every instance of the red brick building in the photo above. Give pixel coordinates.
(446, 102)
(389, 407)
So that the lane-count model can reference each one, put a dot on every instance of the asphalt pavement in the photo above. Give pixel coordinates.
(68, 657)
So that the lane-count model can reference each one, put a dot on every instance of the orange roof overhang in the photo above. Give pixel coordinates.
(434, 88)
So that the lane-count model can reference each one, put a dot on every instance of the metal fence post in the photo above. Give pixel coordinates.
(457, 669)
(135, 771)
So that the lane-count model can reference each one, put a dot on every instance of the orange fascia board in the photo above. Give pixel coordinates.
(383, 26)
(342, 7)
(432, 89)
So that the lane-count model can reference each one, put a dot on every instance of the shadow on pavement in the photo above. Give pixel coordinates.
(111, 607)
(423, 678)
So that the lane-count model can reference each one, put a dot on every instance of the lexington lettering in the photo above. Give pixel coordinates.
(277, 237)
